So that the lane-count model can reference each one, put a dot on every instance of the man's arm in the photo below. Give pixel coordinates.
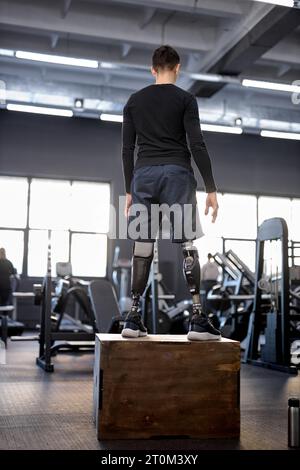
(200, 154)
(197, 144)
(128, 145)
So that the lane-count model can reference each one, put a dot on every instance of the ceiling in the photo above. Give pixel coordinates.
(233, 39)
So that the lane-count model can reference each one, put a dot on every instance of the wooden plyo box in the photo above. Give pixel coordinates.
(165, 385)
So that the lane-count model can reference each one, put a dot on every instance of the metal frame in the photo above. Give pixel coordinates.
(294, 248)
(48, 337)
(271, 229)
(27, 229)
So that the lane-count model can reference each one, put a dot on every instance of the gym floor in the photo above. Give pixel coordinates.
(54, 411)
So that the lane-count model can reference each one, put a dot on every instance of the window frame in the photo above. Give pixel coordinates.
(257, 196)
(27, 228)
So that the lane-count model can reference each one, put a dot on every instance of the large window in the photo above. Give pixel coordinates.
(37, 250)
(269, 207)
(74, 213)
(236, 225)
(207, 245)
(244, 249)
(13, 202)
(13, 242)
(49, 204)
(239, 217)
(294, 229)
(89, 207)
(88, 255)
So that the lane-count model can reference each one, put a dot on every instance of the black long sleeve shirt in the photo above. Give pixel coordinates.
(160, 117)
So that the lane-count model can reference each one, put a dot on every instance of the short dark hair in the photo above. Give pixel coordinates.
(165, 57)
(209, 255)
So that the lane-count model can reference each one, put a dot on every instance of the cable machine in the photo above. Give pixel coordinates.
(275, 321)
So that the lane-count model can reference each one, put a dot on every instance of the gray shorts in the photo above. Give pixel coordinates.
(164, 204)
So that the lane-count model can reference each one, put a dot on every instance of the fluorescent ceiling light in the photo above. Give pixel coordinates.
(111, 117)
(7, 52)
(57, 59)
(217, 128)
(206, 77)
(212, 77)
(284, 3)
(39, 110)
(108, 65)
(271, 85)
(280, 135)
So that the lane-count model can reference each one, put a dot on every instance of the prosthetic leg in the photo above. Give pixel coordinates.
(191, 271)
(141, 264)
(200, 327)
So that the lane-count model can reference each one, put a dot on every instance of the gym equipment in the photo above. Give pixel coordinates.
(97, 301)
(278, 323)
(8, 324)
(161, 315)
(232, 299)
(4, 311)
(105, 306)
(295, 254)
(47, 336)
(236, 274)
(166, 386)
(63, 269)
(72, 291)
(295, 352)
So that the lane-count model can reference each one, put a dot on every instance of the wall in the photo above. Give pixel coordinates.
(33, 145)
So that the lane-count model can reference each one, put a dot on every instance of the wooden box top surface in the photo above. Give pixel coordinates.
(107, 337)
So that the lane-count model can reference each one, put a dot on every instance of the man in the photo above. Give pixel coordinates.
(160, 116)
(6, 271)
(209, 276)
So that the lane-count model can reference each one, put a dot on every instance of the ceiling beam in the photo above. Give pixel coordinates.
(73, 47)
(271, 29)
(101, 22)
(149, 12)
(286, 51)
(218, 8)
(126, 48)
(65, 7)
(51, 72)
(54, 39)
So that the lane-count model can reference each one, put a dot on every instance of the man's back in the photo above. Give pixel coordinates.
(157, 112)
(160, 116)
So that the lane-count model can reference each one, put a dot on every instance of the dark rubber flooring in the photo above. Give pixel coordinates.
(54, 411)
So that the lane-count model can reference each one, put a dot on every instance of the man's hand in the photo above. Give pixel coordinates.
(128, 203)
(211, 201)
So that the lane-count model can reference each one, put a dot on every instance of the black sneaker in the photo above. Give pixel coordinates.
(133, 326)
(201, 329)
